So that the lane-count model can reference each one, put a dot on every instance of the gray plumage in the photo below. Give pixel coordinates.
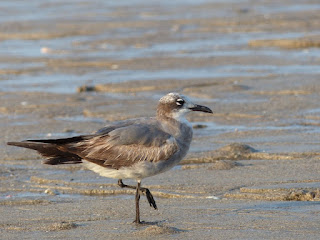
(135, 148)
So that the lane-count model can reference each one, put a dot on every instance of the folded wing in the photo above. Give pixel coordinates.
(114, 146)
(125, 146)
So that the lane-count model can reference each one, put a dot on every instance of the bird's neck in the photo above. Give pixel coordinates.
(164, 114)
(177, 126)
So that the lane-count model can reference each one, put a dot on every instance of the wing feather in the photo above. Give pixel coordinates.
(125, 146)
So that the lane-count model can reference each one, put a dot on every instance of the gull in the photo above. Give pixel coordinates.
(130, 149)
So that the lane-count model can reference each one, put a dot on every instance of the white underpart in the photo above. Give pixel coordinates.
(138, 171)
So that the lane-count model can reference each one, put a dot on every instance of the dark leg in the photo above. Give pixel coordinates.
(146, 191)
(122, 185)
(137, 204)
(150, 198)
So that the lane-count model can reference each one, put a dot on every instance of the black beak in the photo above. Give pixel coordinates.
(200, 108)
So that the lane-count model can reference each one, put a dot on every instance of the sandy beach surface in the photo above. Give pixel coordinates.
(69, 67)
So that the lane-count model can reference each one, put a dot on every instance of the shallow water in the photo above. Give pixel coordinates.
(180, 40)
(68, 83)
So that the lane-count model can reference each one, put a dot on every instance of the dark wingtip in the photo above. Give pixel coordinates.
(14, 143)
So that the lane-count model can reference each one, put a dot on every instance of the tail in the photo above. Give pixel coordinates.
(52, 149)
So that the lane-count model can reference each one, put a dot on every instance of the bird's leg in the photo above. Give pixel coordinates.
(137, 204)
(150, 198)
(146, 191)
(122, 185)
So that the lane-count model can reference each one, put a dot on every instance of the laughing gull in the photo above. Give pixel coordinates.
(129, 149)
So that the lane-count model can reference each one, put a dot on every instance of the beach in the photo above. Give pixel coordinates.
(70, 67)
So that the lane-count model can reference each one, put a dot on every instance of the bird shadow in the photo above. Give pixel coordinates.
(157, 227)
(146, 223)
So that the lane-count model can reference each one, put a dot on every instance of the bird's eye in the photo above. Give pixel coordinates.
(180, 102)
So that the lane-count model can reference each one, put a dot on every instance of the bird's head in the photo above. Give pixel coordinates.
(176, 106)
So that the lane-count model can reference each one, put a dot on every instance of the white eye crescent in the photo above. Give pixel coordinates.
(180, 102)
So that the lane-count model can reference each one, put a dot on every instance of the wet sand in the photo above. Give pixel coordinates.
(253, 168)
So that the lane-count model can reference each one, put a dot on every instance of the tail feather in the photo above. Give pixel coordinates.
(61, 141)
(53, 154)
